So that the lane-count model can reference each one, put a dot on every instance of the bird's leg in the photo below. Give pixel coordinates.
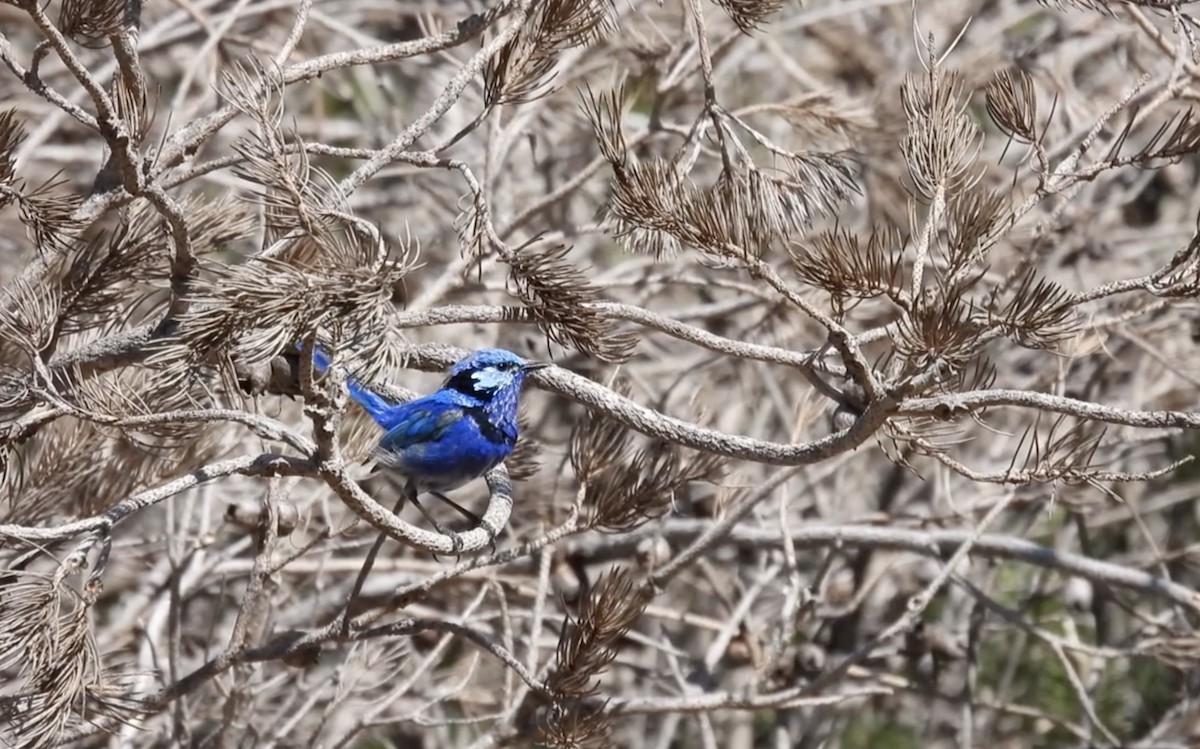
(454, 539)
(475, 519)
(461, 510)
(409, 493)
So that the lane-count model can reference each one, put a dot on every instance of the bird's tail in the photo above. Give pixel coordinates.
(374, 404)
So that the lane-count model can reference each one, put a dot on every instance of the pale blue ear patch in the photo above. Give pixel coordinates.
(491, 378)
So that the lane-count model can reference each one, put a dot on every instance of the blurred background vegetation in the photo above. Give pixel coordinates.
(681, 203)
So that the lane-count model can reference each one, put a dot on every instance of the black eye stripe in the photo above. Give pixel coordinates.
(467, 381)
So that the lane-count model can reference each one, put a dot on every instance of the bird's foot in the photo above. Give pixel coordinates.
(476, 521)
(456, 543)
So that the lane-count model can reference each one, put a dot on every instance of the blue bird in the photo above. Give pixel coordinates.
(455, 434)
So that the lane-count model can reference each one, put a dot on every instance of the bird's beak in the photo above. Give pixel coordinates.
(531, 366)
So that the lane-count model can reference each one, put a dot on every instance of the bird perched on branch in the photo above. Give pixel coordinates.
(455, 434)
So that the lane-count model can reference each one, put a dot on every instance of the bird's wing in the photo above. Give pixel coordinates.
(417, 422)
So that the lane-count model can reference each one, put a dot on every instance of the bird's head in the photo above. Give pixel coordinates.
(490, 372)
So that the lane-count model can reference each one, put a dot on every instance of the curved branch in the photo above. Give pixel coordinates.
(494, 519)
(264, 464)
(947, 406)
(655, 424)
(273, 464)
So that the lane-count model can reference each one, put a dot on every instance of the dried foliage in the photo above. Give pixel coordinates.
(847, 268)
(46, 643)
(940, 332)
(252, 312)
(874, 410)
(103, 272)
(588, 644)
(299, 201)
(79, 469)
(749, 14)
(11, 136)
(625, 485)
(1012, 105)
(975, 219)
(561, 297)
(519, 73)
(91, 21)
(656, 208)
(943, 141)
(1038, 313)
